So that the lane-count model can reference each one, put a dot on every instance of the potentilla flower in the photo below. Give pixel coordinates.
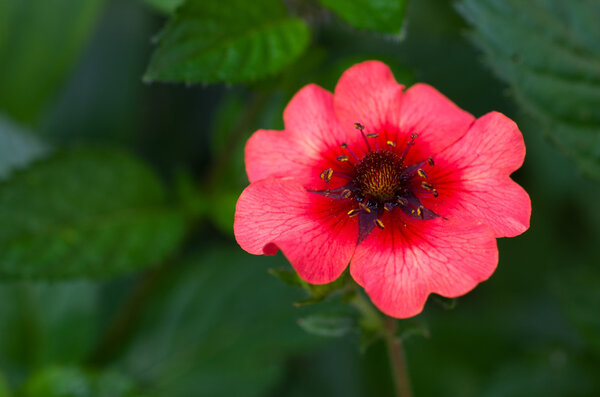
(403, 185)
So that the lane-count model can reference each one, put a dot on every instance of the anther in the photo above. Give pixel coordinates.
(361, 127)
(427, 185)
(430, 161)
(388, 206)
(364, 208)
(346, 193)
(391, 143)
(379, 223)
(342, 157)
(352, 213)
(422, 173)
(345, 146)
(327, 174)
(414, 136)
(372, 135)
(420, 210)
(402, 201)
(435, 193)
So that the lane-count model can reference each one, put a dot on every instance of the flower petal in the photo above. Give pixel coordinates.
(402, 264)
(309, 144)
(364, 95)
(312, 231)
(472, 177)
(436, 119)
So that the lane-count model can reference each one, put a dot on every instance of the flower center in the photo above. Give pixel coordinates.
(381, 182)
(379, 175)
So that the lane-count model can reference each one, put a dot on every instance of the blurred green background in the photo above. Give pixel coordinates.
(121, 158)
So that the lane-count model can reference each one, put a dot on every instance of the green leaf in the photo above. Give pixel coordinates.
(4, 389)
(165, 6)
(210, 41)
(39, 41)
(549, 54)
(218, 326)
(44, 323)
(17, 148)
(75, 382)
(383, 16)
(85, 213)
(330, 325)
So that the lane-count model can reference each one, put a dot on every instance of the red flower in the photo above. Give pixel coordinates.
(405, 186)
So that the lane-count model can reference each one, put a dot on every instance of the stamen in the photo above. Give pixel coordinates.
(379, 223)
(342, 175)
(388, 206)
(391, 143)
(346, 193)
(414, 136)
(345, 146)
(435, 193)
(361, 128)
(426, 185)
(364, 208)
(422, 173)
(402, 201)
(420, 210)
(430, 161)
(342, 158)
(372, 135)
(327, 174)
(352, 213)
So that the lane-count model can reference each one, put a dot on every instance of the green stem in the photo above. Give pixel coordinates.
(397, 358)
(388, 326)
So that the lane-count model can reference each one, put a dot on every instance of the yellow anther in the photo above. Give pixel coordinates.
(420, 211)
(372, 135)
(346, 193)
(426, 185)
(365, 208)
(422, 173)
(343, 157)
(391, 143)
(402, 201)
(414, 136)
(430, 161)
(359, 126)
(388, 206)
(435, 193)
(345, 145)
(327, 174)
(379, 223)
(352, 213)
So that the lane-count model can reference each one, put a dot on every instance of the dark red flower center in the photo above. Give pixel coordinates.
(379, 175)
(381, 181)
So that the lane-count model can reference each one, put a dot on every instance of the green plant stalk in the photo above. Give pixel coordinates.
(397, 359)
(387, 327)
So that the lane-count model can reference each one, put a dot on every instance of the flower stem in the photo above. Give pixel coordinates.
(397, 359)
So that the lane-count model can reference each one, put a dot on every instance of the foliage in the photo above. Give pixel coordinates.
(39, 40)
(549, 54)
(85, 212)
(383, 16)
(233, 41)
